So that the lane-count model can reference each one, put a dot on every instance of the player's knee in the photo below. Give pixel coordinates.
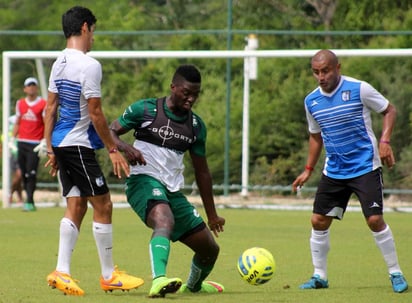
(376, 223)
(320, 222)
(209, 256)
(214, 250)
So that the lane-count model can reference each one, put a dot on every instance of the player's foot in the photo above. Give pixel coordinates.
(399, 283)
(207, 287)
(162, 286)
(120, 280)
(315, 282)
(64, 283)
(29, 207)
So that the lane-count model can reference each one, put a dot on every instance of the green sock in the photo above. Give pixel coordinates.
(159, 255)
(198, 274)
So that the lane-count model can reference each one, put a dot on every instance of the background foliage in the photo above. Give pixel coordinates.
(278, 126)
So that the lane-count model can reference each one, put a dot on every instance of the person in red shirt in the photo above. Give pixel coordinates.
(28, 131)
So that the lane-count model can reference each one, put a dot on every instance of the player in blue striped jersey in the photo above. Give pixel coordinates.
(75, 126)
(339, 118)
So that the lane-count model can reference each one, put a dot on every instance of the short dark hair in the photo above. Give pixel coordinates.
(74, 18)
(187, 72)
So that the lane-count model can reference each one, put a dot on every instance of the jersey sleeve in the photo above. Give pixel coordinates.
(372, 98)
(313, 126)
(133, 115)
(92, 80)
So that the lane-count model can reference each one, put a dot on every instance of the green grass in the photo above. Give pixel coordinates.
(357, 273)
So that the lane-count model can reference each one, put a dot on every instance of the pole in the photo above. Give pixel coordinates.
(6, 114)
(245, 134)
(228, 96)
(249, 73)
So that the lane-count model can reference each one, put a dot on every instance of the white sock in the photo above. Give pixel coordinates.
(384, 240)
(68, 238)
(103, 237)
(319, 246)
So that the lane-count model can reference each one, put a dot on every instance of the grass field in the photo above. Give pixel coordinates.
(357, 273)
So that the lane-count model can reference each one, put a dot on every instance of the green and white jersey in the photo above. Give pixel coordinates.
(164, 162)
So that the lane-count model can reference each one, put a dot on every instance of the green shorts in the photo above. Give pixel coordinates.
(142, 191)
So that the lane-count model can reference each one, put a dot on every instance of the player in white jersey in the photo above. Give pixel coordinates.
(75, 127)
(339, 117)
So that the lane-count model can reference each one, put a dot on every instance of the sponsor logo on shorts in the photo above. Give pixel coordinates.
(99, 181)
(374, 205)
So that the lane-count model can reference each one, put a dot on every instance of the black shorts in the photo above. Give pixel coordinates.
(80, 174)
(332, 196)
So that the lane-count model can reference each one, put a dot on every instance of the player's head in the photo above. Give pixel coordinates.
(31, 87)
(326, 69)
(74, 19)
(185, 87)
(187, 72)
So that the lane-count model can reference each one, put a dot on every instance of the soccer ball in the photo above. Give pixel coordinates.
(256, 265)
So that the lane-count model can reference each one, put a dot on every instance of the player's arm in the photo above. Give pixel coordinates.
(132, 155)
(100, 124)
(205, 185)
(49, 122)
(16, 126)
(378, 103)
(385, 149)
(315, 149)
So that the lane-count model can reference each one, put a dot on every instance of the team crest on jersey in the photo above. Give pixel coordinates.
(99, 181)
(194, 122)
(156, 192)
(346, 95)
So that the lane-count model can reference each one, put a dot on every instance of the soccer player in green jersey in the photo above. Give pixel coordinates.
(165, 128)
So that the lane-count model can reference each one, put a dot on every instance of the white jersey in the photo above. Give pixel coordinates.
(75, 77)
(163, 164)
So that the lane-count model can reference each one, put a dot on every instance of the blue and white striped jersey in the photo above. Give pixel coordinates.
(75, 77)
(343, 117)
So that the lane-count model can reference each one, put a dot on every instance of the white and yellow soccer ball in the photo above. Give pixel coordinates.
(256, 265)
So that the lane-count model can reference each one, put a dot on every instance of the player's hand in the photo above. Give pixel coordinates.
(386, 155)
(133, 155)
(13, 145)
(41, 149)
(216, 225)
(52, 163)
(119, 164)
(300, 180)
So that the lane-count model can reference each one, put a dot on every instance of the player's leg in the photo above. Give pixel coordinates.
(23, 151)
(148, 198)
(330, 202)
(160, 219)
(69, 231)
(191, 230)
(16, 184)
(89, 179)
(111, 277)
(206, 251)
(369, 189)
(31, 174)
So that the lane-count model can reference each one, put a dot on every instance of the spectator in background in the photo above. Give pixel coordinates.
(15, 171)
(28, 131)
